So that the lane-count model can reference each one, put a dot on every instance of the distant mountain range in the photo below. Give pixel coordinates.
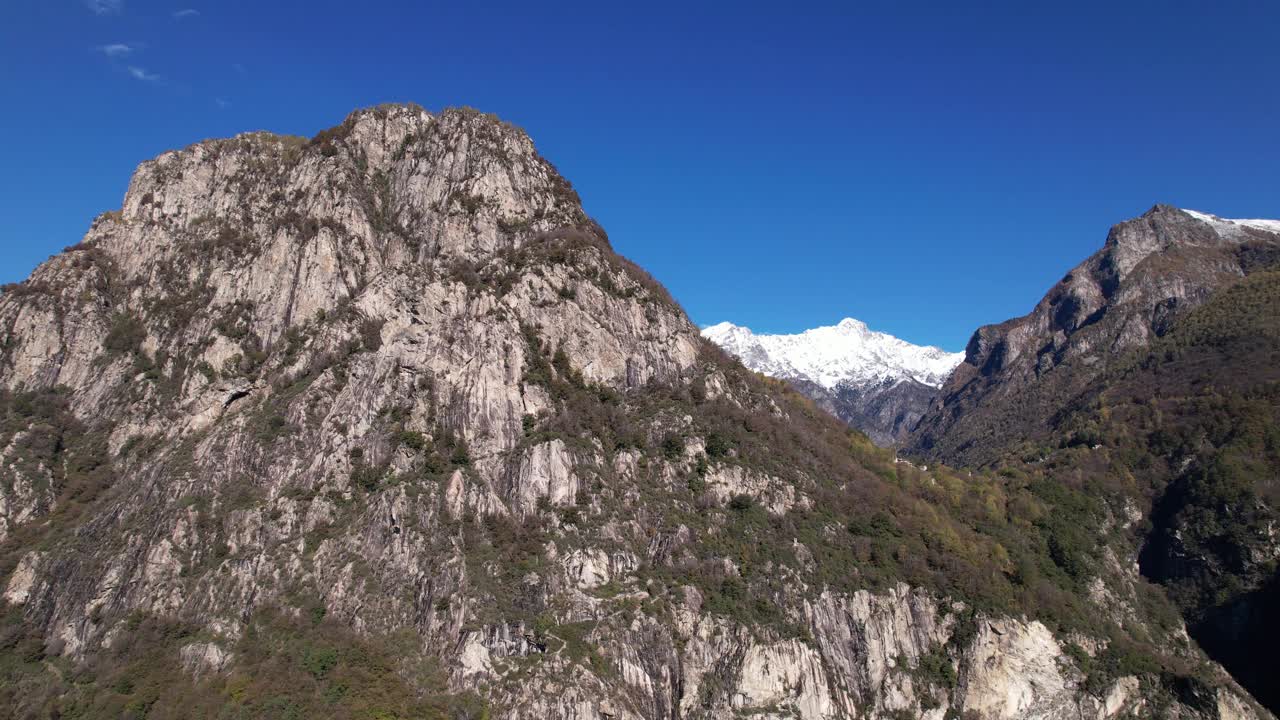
(873, 381)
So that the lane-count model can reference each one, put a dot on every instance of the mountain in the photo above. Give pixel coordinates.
(871, 380)
(1165, 400)
(1019, 375)
(376, 424)
(1195, 419)
(1185, 433)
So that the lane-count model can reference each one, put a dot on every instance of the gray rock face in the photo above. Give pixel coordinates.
(396, 375)
(1018, 375)
(886, 410)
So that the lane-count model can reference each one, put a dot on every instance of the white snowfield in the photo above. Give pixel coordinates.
(1228, 223)
(836, 354)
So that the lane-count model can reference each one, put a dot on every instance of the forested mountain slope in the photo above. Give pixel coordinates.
(1190, 429)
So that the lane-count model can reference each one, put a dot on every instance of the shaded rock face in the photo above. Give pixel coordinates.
(393, 382)
(1235, 623)
(886, 411)
(1242, 634)
(1019, 375)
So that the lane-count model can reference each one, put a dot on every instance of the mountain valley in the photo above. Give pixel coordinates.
(376, 424)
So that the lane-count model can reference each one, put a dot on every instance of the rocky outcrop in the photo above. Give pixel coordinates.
(1018, 376)
(384, 407)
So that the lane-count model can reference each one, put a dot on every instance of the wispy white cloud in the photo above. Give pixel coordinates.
(118, 56)
(185, 13)
(222, 103)
(117, 50)
(142, 74)
(105, 7)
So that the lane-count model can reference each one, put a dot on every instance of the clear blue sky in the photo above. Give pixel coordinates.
(924, 167)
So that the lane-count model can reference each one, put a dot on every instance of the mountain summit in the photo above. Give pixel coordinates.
(1018, 375)
(871, 380)
(836, 354)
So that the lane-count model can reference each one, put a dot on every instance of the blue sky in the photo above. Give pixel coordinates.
(924, 167)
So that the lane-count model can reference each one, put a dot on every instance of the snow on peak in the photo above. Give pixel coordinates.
(1234, 224)
(849, 325)
(724, 328)
(845, 352)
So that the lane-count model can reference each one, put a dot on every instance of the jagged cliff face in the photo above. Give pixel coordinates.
(886, 410)
(386, 400)
(236, 260)
(1019, 375)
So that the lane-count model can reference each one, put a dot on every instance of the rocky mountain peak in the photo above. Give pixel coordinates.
(1150, 271)
(278, 230)
(1158, 230)
(460, 183)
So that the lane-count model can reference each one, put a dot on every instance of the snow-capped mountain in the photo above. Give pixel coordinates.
(874, 381)
(828, 356)
(1228, 224)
